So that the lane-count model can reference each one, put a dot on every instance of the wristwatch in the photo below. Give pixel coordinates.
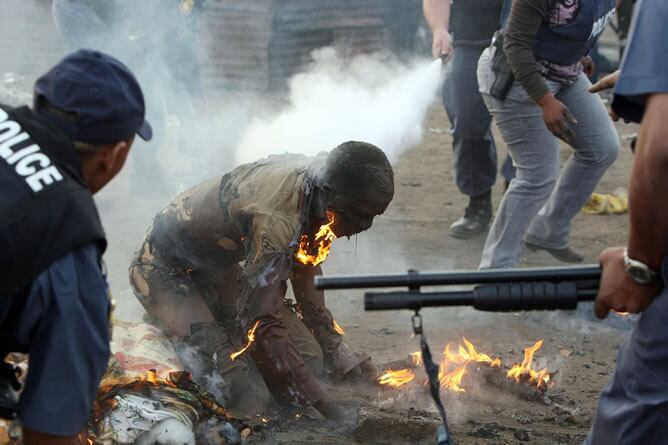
(640, 272)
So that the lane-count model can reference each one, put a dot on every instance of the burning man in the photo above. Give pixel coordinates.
(213, 269)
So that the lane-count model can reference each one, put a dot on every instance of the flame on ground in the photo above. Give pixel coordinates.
(456, 361)
(525, 369)
(337, 327)
(454, 364)
(315, 252)
(396, 379)
(251, 338)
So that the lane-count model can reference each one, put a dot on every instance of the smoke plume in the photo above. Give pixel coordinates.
(372, 98)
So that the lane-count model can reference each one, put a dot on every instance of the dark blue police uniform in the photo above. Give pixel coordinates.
(633, 407)
(63, 324)
(472, 24)
(54, 302)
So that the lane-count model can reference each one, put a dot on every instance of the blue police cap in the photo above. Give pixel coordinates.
(103, 94)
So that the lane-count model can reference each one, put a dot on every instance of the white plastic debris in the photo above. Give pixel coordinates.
(140, 420)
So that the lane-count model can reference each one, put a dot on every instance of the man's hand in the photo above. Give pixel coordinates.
(588, 65)
(558, 119)
(605, 83)
(617, 291)
(365, 372)
(441, 46)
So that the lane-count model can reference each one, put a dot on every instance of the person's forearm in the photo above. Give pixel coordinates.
(437, 13)
(312, 302)
(648, 238)
(525, 20)
(303, 285)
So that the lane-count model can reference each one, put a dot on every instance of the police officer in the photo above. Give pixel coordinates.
(469, 29)
(633, 406)
(54, 301)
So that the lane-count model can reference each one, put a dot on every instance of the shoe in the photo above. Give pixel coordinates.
(474, 222)
(565, 255)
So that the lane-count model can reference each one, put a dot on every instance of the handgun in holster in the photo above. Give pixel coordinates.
(503, 74)
(9, 387)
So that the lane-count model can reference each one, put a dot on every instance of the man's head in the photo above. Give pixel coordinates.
(358, 184)
(98, 103)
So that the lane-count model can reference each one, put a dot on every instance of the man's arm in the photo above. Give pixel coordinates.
(648, 237)
(437, 15)
(339, 359)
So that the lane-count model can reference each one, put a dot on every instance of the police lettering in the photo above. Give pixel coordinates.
(601, 23)
(29, 162)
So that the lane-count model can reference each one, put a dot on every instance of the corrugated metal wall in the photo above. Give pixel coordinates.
(29, 42)
(245, 44)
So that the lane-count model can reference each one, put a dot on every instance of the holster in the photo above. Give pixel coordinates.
(503, 73)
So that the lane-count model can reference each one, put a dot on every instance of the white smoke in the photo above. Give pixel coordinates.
(371, 98)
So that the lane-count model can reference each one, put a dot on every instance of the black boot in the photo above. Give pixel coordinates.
(476, 219)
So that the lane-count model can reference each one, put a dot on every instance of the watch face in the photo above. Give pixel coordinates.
(639, 274)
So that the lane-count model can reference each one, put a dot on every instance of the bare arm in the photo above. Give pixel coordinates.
(648, 238)
(648, 235)
(437, 15)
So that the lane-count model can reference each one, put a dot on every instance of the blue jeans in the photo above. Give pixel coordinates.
(633, 407)
(541, 202)
(472, 141)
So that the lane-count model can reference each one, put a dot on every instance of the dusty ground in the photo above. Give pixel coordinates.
(413, 233)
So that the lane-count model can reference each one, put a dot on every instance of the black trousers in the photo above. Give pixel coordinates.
(474, 148)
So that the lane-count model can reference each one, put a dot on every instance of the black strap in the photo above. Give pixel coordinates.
(431, 368)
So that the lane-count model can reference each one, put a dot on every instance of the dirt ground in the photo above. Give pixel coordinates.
(413, 234)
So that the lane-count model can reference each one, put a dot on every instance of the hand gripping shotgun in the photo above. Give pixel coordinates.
(496, 290)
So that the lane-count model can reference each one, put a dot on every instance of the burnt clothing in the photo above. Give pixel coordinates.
(46, 210)
(545, 39)
(63, 323)
(250, 219)
(473, 22)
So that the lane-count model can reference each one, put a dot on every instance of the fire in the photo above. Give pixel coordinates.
(396, 379)
(314, 253)
(84, 439)
(337, 327)
(525, 369)
(251, 338)
(454, 364)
